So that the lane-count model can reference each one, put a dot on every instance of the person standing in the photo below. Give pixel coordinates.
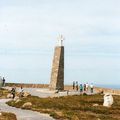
(76, 85)
(87, 87)
(81, 88)
(91, 87)
(21, 92)
(3, 82)
(84, 87)
(73, 85)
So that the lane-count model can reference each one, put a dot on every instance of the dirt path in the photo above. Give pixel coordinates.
(23, 114)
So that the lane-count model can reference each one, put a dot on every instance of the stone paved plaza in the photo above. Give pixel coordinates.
(44, 92)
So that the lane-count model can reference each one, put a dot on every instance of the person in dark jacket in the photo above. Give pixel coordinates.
(3, 82)
(73, 85)
(76, 85)
(13, 92)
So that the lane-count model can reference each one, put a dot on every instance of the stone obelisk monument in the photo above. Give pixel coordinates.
(57, 74)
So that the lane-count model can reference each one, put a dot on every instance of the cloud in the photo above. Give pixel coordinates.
(28, 32)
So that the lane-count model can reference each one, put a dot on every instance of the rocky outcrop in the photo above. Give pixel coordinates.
(27, 104)
(9, 95)
(26, 94)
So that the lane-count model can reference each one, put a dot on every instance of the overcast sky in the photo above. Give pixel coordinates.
(29, 31)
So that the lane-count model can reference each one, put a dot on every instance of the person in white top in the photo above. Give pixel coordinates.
(87, 86)
(21, 92)
(91, 87)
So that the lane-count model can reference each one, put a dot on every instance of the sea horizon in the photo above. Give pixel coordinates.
(108, 86)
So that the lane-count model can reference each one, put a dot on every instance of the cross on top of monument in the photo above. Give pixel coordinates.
(60, 40)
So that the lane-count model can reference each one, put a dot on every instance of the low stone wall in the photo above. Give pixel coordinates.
(67, 87)
(108, 90)
(27, 85)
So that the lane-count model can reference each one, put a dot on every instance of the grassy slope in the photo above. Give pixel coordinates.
(74, 107)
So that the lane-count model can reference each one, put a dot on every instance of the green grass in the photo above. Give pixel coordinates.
(73, 107)
(7, 116)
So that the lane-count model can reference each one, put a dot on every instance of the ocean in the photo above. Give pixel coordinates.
(108, 86)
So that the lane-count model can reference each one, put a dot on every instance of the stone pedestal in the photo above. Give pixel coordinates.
(57, 74)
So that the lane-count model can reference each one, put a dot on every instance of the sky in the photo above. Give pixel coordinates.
(29, 31)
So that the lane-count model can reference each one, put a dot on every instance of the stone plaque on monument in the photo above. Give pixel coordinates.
(57, 74)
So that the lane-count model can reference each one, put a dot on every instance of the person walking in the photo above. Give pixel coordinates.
(13, 92)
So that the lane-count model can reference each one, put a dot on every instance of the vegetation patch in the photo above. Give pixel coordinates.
(7, 116)
(3, 93)
(77, 107)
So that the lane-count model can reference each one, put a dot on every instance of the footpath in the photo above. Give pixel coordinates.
(23, 114)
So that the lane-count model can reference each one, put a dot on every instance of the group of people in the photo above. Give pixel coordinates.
(83, 87)
(13, 92)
